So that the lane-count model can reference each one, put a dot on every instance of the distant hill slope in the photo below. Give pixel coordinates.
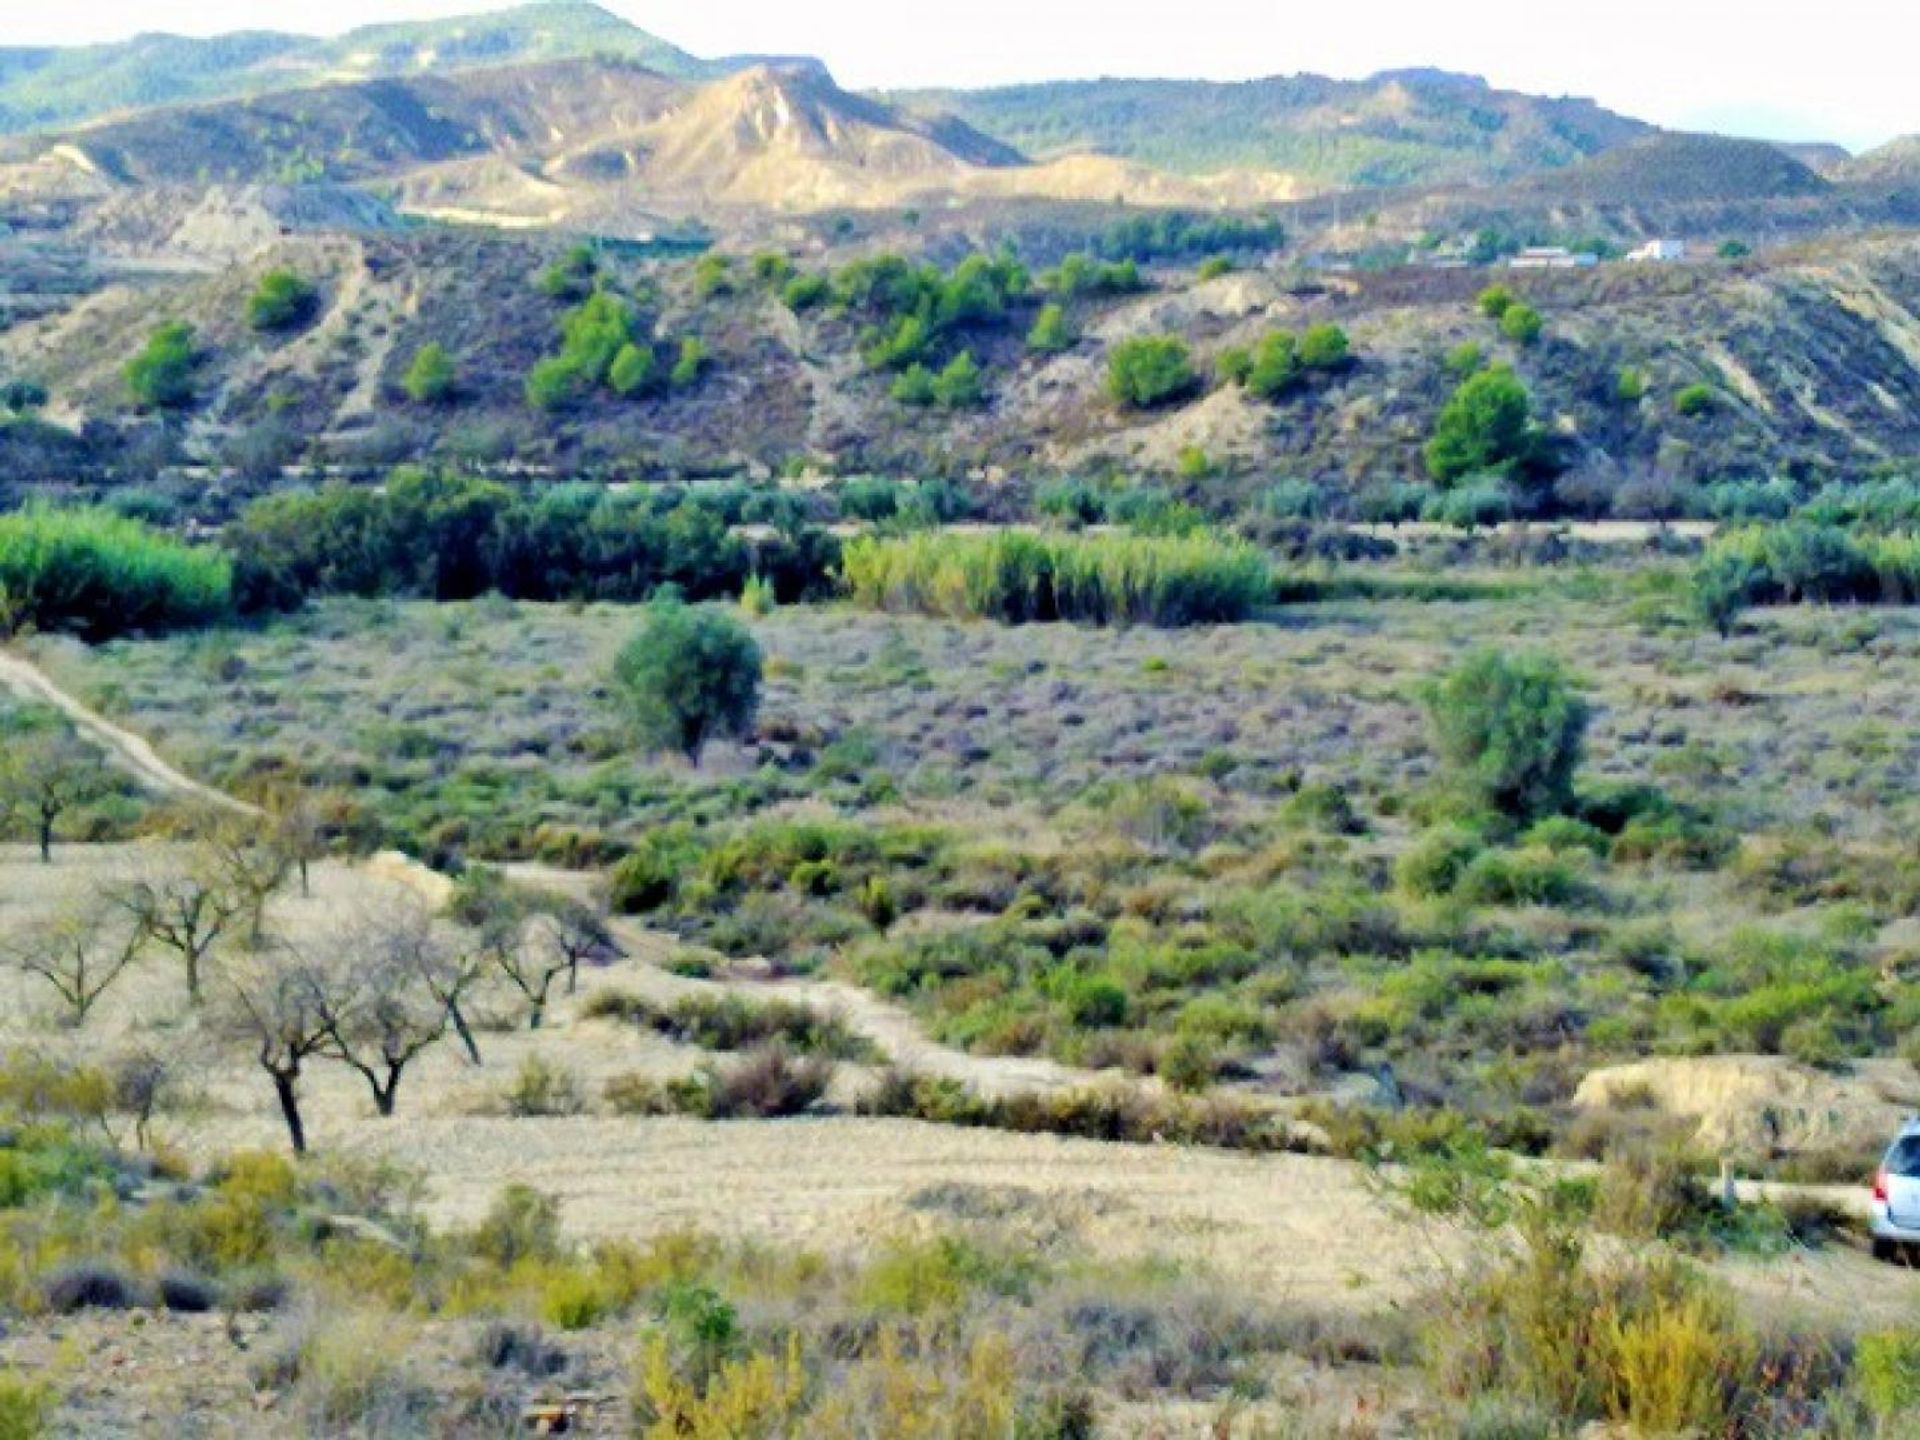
(1896, 163)
(1677, 167)
(603, 143)
(363, 129)
(43, 88)
(1397, 128)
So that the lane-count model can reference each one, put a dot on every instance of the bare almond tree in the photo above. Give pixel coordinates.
(297, 824)
(187, 909)
(578, 933)
(241, 850)
(270, 1005)
(383, 994)
(501, 916)
(79, 954)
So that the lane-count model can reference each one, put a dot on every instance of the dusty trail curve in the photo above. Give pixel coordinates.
(126, 749)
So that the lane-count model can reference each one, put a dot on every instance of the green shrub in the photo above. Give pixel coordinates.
(541, 1089)
(160, 376)
(1275, 367)
(572, 276)
(1094, 1002)
(1692, 401)
(1148, 371)
(1495, 301)
(26, 1407)
(1018, 577)
(1521, 324)
(521, 1224)
(1518, 877)
(1325, 347)
(431, 377)
(689, 674)
(913, 386)
(1509, 730)
(1435, 862)
(283, 300)
(690, 364)
(959, 386)
(1051, 334)
(1464, 359)
(100, 574)
(804, 292)
(633, 370)
(1886, 1367)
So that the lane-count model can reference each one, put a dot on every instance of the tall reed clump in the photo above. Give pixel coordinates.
(1020, 577)
(100, 574)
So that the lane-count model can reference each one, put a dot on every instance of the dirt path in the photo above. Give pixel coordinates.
(125, 748)
(893, 1031)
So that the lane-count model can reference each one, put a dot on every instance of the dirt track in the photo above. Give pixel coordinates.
(127, 749)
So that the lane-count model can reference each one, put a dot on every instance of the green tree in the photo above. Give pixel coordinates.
(713, 275)
(555, 384)
(1463, 359)
(1509, 730)
(572, 276)
(161, 375)
(1486, 426)
(914, 386)
(959, 386)
(431, 378)
(691, 364)
(1325, 347)
(1276, 366)
(803, 292)
(1051, 333)
(1150, 370)
(1723, 586)
(283, 300)
(689, 674)
(1521, 324)
(1692, 401)
(1494, 301)
(633, 369)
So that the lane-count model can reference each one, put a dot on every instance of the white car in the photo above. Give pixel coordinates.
(1896, 1196)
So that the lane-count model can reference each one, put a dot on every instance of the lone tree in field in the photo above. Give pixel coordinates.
(379, 995)
(43, 775)
(246, 852)
(507, 921)
(186, 909)
(80, 955)
(691, 673)
(270, 1006)
(1509, 731)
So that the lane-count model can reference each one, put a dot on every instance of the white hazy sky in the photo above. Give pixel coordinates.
(1814, 69)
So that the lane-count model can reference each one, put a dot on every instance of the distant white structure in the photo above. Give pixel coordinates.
(1553, 257)
(1660, 252)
